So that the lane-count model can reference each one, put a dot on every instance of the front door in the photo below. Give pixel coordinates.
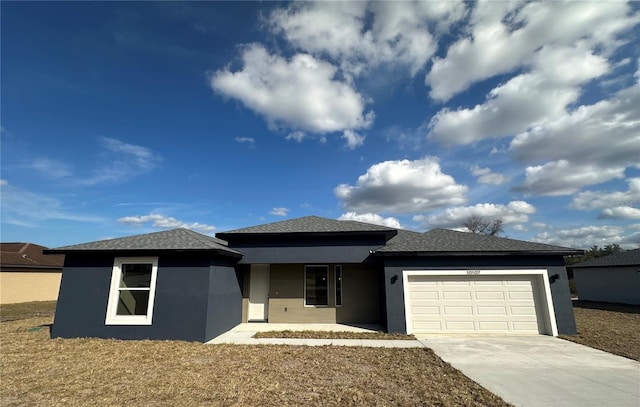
(259, 293)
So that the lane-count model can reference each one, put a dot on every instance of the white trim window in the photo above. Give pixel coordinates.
(338, 285)
(133, 286)
(316, 286)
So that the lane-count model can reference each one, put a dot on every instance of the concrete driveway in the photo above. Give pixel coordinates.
(541, 370)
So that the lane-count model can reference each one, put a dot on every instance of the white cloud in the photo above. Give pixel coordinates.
(122, 161)
(363, 35)
(4, 182)
(165, 222)
(353, 139)
(524, 100)
(578, 153)
(279, 211)
(539, 225)
(371, 218)
(580, 133)
(250, 141)
(402, 186)
(515, 212)
(563, 178)
(617, 204)
(621, 212)
(486, 176)
(587, 236)
(26, 208)
(296, 136)
(302, 93)
(51, 168)
(504, 36)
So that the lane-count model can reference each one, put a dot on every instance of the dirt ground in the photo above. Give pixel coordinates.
(37, 370)
(614, 328)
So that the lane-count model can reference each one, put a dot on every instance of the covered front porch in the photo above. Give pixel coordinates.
(319, 296)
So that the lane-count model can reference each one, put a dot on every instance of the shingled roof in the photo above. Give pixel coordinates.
(309, 224)
(626, 258)
(439, 241)
(175, 239)
(28, 255)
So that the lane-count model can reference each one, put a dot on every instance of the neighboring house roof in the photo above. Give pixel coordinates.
(439, 241)
(626, 258)
(310, 225)
(28, 255)
(175, 239)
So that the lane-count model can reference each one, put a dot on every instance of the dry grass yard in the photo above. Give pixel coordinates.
(614, 328)
(36, 370)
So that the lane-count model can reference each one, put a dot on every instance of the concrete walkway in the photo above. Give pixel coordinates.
(243, 335)
(541, 370)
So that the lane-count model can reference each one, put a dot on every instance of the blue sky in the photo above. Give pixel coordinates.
(125, 118)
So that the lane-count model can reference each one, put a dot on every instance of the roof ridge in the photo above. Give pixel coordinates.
(200, 236)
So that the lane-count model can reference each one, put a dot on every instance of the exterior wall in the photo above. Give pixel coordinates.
(245, 271)
(306, 249)
(29, 285)
(359, 298)
(393, 284)
(608, 284)
(196, 298)
(360, 295)
(305, 254)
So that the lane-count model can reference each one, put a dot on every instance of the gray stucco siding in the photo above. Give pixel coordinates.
(394, 289)
(619, 284)
(184, 308)
(305, 255)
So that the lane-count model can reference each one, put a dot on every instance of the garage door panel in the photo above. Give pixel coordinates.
(452, 310)
(523, 311)
(521, 295)
(419, 311)
(525, 327)
(493, 326)
(425, 295)
(467, 304)
(431, 326)
(484, 310)
(456, 295)
(460, 326)
(489, 295)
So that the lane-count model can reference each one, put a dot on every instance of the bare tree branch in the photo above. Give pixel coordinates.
(481, 226)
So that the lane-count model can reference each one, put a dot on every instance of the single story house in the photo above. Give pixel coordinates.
(612, 278)
(26, 274)
(179, 284)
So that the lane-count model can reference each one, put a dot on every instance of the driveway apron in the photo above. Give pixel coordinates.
(541, 370)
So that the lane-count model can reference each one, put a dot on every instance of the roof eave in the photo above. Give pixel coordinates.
(31, 266)
(474, 253)
(230, 236)
(102, 251)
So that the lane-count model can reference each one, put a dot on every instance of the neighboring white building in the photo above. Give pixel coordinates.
(612, 278)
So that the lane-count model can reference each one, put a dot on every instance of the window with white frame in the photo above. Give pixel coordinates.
(133, 283)
(316, 286)
(338, 283)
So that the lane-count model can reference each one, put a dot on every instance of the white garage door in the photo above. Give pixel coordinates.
(473, 304)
